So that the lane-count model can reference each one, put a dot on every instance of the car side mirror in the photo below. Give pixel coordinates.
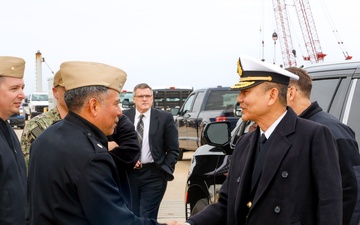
(174, 111)
(26, 100)
(218, 134)
(237, 110)
(127, 104)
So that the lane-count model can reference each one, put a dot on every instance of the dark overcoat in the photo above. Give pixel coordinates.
(300, 181)
(126, 154)
(73, 179)
(12, 178)
(163, 139)
(349, 160)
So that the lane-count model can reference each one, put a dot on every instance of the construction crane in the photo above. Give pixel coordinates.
(284, 36)
(308, 30)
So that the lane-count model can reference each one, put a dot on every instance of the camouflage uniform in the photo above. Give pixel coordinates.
(35, 127)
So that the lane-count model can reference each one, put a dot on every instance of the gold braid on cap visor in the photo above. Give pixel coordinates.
(247, 81)
(255, 79)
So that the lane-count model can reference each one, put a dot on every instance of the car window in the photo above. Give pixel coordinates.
(198, 100)
(39, 97)
(187, 105)
(220, 100)
(323, 92)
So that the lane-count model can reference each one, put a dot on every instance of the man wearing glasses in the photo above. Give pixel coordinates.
(158, 140)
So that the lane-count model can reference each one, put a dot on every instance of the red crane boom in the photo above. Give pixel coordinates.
(282, 25)
(308, 30)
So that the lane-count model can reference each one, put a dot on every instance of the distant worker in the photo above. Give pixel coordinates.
(13, 181)
(36, 125)
(72, 177)
(158, 138)
(299, 93)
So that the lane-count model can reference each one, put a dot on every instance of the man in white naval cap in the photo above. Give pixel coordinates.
(72, 177)
(287, 170)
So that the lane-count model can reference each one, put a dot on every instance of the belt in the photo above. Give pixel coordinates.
(145, 165)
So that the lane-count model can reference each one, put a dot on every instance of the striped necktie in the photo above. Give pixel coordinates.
(140, 130)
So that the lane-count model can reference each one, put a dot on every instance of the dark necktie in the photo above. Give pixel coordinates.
(259, 161)
(262, 141)
(140, 130)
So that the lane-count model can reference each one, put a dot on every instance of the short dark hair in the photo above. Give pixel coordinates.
(75, 98)
(304, 83)
(141, 86)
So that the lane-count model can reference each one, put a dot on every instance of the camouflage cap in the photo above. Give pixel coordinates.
(58, 81)
(12, 66)
(77, 74)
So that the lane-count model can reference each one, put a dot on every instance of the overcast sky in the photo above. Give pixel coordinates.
(162, 42)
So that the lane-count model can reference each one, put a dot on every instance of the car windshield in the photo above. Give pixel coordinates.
(222, 100)
(39, 97)
(126, 95)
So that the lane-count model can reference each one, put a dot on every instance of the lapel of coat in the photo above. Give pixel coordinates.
(276, 152)
(154, 123)
(131, 114)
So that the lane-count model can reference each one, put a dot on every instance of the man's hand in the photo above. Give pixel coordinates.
(137, 165)
(175, 223)
(112, 145)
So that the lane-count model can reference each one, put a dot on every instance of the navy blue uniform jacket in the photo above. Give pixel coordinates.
(12, 179)
(163, 139)
(73, 179)
(300, 181)
(349, 160)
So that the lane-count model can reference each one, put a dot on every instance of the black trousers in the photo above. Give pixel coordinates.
(148, 186)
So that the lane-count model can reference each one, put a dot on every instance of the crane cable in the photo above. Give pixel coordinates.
(335, 31)
(294, 30)
(262, 45)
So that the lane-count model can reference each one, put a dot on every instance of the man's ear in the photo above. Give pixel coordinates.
(291, 93)
(273, 96)
(93, 106)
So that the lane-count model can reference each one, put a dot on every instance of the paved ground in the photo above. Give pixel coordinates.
(172, 207)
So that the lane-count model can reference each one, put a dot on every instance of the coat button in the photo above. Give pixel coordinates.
(277, 209)
(284, 174)
(238, 180)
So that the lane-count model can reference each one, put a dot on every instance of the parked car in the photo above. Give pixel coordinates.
(36, 104)
(201, 107)
(18, 119)
(336, 87)
(209, 164)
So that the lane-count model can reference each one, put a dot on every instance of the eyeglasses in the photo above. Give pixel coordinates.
(143, 96)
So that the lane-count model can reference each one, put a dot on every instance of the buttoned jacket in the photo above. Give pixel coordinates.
(300, 181)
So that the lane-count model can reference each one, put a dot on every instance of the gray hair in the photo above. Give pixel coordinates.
(76, 98)
(281, 88)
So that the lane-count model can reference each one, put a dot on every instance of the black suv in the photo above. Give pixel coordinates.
(336, 87)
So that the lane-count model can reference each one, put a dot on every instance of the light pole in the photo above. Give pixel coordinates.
(274, 37)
